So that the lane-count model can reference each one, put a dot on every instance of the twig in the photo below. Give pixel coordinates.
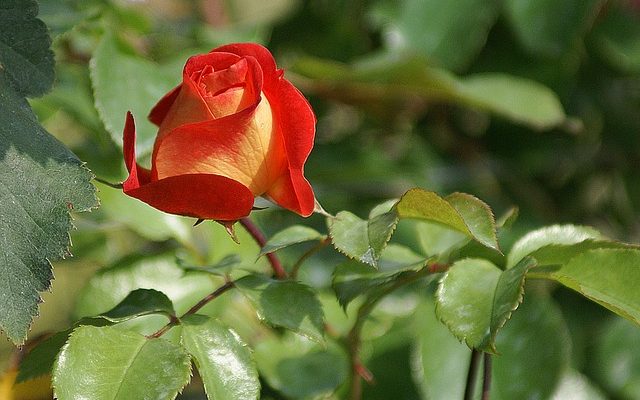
(305, 256)
(258, 236)
(472, 374)
(110, 184)
(204, 301)
(486, 379)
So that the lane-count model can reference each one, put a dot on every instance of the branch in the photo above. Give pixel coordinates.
(472, 374)
(258, 236)
(486, 380)
(203, 302)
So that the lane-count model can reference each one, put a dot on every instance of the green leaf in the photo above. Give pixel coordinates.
(122, 83)
(292, 235)
(475, 299)
(138, 303)
(535, 242)
(224, 363)
(111, 364)
(25, 55)
(111, 285)
(301, 369)
(40, 182)
(352, 279)
(362, 240)
(551, 28)
(288, 304)
(433, 26)
(514, 98)
(458, 211)
(616, 358)
(534, 351)
(617, 37)
(221, 268)
(610, 277)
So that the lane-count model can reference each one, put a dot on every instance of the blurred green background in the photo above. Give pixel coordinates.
(532, 103)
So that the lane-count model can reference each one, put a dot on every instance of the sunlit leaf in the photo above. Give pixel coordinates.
(292, 235)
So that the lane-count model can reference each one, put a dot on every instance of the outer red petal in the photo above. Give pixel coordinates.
(196, 195)
(293, 192)
(160, 110)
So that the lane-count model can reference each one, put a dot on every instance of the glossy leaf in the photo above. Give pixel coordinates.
(461, 212)
(610, 277)
(290, 236)
(475, 299)
(25, 56)
(138, 303)
(224, 363)
(108, 363)
(288, 304)
(433, 27)
(362, 240)
(112, 86)
(40, 182)
(556, 235)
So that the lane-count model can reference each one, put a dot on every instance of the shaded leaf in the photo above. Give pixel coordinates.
(138, 303)
(25, 56)
(292, 235)
(288, 304)
(108, 363)
(461, 212)
(475, 299)
(40, 182)
(223, 361)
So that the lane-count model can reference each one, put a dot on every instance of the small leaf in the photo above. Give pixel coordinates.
(362, 240)
(475, 299)
(224, 362)
(458, 211)
(111, 364)
(221, 268)
(610, 277)
(138, 81)
(138, 303)
(288, 304)
(530, 243)
(290, 236)
(25, 55)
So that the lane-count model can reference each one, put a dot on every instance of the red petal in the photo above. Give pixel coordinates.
(261, 54)
(160, 110)
(137, 175)
(293, 192)
(197, 195)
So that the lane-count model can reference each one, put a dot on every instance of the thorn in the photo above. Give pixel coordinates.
(228, 226)
(198, 222)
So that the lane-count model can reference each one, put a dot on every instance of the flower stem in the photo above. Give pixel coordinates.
(258, 236)
(204, 301)
(472, 373)
(110, 184)
(486, 382)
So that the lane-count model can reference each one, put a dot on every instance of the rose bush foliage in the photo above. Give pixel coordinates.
(234, 129)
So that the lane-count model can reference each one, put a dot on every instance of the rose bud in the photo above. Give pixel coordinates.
(233, 130)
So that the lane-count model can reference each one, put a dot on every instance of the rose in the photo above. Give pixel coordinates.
(232, 130)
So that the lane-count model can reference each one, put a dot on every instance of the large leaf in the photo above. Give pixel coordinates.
(396, 77)
(288, 304)
(122, 83)
(433, 27)
(551, 28)
(40, 182)
(475, 299)
(362, 240)
(610, 277)
(24, 48)
(461, 212)
(224, 362)
(111, 364)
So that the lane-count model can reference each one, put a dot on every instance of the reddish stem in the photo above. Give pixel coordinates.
(258, 236)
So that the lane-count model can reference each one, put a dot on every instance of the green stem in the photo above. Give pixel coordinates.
(486, 380)
(110, 184)
(258, 236)
(472, 374)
